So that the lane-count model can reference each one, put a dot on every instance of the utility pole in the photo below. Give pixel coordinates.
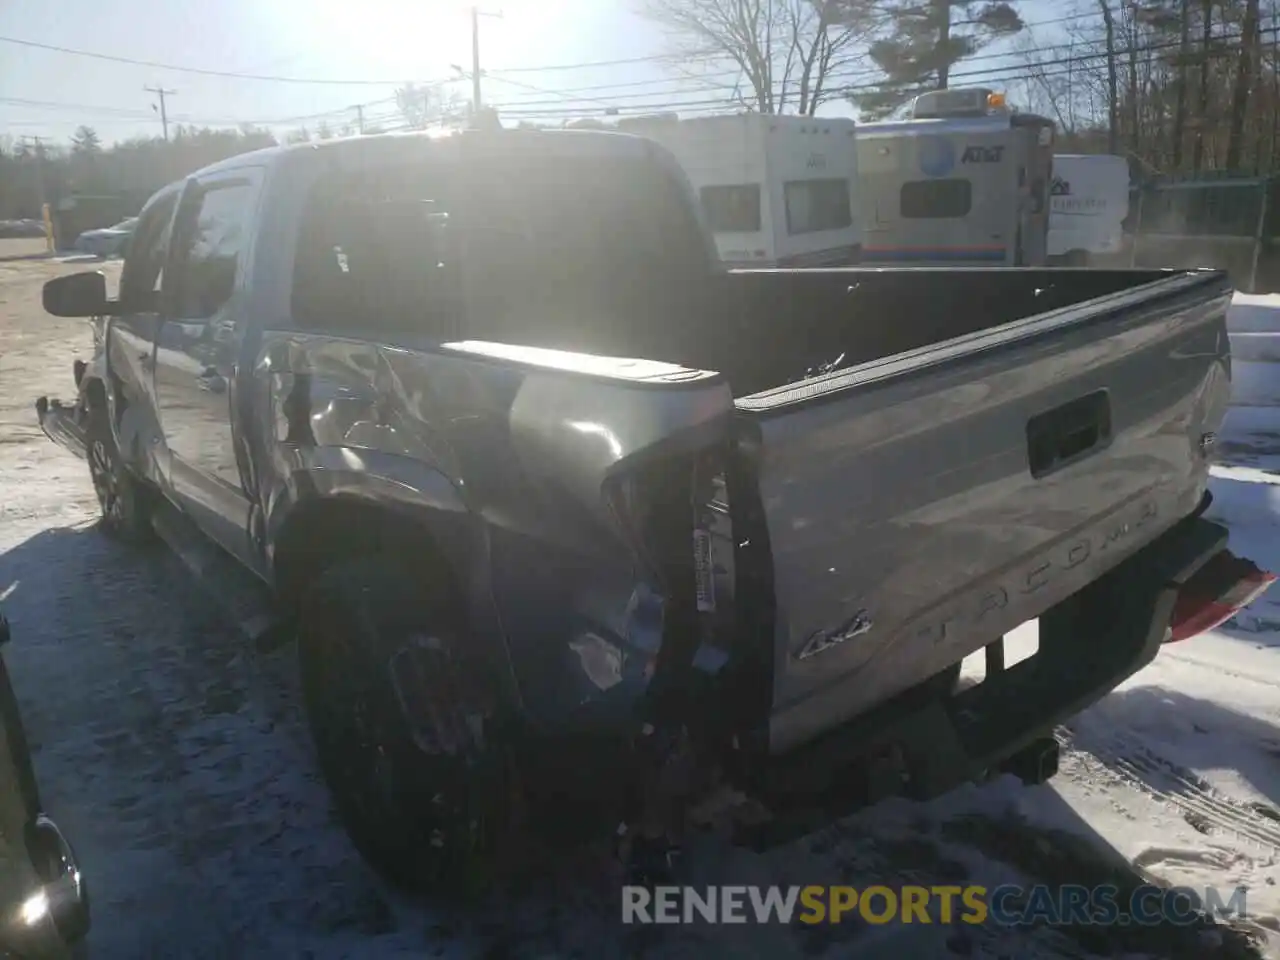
(44, 206)
(39, 154)
(475, 61)
(476, 100)
(161, 92)
(360, 117)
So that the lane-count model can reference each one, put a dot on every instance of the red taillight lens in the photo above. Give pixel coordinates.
(1219, 590)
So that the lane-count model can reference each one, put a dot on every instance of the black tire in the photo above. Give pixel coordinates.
(123, 499)
(427, 798)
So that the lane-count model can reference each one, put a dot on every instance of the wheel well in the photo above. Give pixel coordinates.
(325, 531)
(95, 393)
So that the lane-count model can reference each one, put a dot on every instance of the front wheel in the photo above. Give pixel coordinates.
(122, 497)
(403, 720)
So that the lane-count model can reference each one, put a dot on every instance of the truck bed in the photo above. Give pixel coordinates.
(765, 329)
(987, 446)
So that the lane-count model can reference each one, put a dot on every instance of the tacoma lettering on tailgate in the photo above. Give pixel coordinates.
(974, 610)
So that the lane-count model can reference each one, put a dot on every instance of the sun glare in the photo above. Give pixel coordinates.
(422, 40)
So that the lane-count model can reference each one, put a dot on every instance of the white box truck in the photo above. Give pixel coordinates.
(776, 191)
(1088, 201)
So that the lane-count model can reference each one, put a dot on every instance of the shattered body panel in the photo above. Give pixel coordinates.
(507, 452)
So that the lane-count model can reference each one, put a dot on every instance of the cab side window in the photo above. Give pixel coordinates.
(211, 249)
(144, 261)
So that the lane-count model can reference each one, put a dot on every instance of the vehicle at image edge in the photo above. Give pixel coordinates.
(1088, 202)
(963, 181)
(44, 901)
(107, 241)
(21, 229)
(571, 523)
(776, 191)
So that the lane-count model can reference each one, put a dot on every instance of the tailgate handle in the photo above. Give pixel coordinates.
(1068, 433)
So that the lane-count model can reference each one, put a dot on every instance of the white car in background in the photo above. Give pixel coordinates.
(107, 241)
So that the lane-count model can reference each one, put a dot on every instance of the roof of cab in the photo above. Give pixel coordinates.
(271, 156)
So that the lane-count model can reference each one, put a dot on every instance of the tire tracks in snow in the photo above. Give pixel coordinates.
(1134, 763)
(1219, 668)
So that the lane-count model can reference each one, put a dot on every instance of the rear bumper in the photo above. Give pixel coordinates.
(923, 745)
(63, 424)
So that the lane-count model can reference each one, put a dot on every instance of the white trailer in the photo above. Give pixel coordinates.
(775, 190)
(965, 180)
(1088, 201)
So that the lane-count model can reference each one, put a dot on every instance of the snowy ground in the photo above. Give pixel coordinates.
(175, 757)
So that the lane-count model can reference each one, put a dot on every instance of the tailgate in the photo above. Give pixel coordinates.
(921, 506)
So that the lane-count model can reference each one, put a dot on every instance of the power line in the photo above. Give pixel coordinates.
(1008, 73)
(526, 108)
(839, 76)
(653, 58)
(60, 105)
(196, 70)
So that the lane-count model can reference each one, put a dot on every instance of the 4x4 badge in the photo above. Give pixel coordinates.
(857, 625)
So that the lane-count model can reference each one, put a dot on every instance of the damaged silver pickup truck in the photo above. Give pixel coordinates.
(565, 517)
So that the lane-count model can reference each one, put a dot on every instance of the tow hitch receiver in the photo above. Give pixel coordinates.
(1035, 763)
(1216, 592)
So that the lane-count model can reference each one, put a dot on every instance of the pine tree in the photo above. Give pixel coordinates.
(86, 142)
(926, 39)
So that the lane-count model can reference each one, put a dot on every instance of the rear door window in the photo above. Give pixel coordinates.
(816, 205)
(733, 208)
(936, 199)
(560, 251)
(376, 250)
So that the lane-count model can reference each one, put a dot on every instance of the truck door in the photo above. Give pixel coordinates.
(195, 358)
(131, 337)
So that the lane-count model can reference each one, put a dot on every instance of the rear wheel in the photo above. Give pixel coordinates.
(123, 499)
(403, 720)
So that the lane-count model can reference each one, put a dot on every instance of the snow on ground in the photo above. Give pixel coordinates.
(175, 757)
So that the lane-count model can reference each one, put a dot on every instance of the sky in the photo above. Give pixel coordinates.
(353, 53)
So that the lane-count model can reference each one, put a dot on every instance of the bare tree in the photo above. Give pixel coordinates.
(421, 105)
(1184, 51)
(787, 53)
(1113, 81)
(1202, 114)
(1244, 82)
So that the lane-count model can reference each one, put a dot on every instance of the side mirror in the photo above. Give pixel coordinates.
(77, 295)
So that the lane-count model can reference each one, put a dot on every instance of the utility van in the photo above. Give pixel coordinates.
(964, 180)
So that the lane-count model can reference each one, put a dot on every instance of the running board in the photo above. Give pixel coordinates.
(63, 424)
(244, 598)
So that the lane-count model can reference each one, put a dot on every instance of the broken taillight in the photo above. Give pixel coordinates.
(1215, 593)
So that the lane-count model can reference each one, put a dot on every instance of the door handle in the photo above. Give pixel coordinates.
(1068, 433)
(212, 381)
